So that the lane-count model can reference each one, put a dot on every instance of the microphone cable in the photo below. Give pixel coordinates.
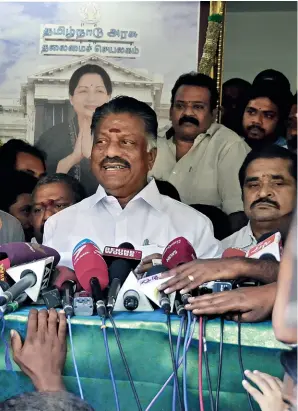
(125, 362)
(174, 365)
(74, 357)
(200, 371)
(172, 375)
(205, 351)
(185, 361)
(105, 338)
(241, 361)
(219, 369)
(181, 326)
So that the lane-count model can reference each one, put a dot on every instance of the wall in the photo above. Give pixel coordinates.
(257, 40)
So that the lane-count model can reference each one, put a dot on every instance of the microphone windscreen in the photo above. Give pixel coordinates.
(65, 274)
(129, 246)
(120, 269)
(178, 251)
(267, 257)
(233, 252)
(21, 253)
(88, 263)
(156, 269)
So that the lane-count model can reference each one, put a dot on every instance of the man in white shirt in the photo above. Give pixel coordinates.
(125, 207)
(198, 156)
(268, 179)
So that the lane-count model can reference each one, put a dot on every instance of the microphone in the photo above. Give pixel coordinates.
(125, 250)
(92, 272)
(179, 251)
(98, 296)
(14, 305)
(233, 252)
(270, 243)
(88, 262)
(118, 272)
(179, 306)
(66, 282)
(21, 253)
(131, 299)
(28, 280)
(164, 300)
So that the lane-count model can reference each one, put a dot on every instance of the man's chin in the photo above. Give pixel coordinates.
(267, 214)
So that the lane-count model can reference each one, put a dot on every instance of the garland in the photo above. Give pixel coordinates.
(210, 46)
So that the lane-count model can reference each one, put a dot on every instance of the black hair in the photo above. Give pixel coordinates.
(89, 69)
(237, 82)
(10, 150)
(167, 189)
(197, 80)
(125, 104)
(273, 78)
(269, 152)
(74, 185)
(15, 183)
(47, 401)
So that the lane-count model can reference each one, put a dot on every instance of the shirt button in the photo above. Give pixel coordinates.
(174, 172)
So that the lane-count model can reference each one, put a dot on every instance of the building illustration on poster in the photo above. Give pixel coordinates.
(122, 44)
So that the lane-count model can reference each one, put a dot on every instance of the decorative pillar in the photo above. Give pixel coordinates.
(30, 114)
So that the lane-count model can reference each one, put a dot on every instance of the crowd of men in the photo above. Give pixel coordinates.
(217, 185)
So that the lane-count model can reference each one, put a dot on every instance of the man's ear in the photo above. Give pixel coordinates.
(170, 113)
(151, 157)
(70, 100)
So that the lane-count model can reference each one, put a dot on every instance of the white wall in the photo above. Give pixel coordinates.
(258, 40)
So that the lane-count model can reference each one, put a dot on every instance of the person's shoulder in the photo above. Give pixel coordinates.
(9, 219)
(224, 134)
(10, 228)
(235, 239)
(186, 212)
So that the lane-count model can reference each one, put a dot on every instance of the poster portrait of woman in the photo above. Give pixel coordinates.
(68, 144)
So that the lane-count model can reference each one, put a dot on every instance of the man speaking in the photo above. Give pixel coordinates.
(126, 207)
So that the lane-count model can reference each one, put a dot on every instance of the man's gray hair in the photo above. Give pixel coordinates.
(74, 185)
(45, 401)
(125, 104)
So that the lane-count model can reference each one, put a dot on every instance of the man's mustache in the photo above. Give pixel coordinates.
(255, 127)
(189, 119)
(114, 160)
(265, 201)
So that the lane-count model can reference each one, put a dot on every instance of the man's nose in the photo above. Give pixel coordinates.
(266, 190)
(113, 149)
(258, 119)
(188, 110)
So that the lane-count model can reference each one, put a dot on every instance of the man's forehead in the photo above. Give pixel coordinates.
(192, 93)
(268, 166)
(121, 122)
(51, 191)
(262, 103)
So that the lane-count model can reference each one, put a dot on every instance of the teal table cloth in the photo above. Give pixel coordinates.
(144, 338)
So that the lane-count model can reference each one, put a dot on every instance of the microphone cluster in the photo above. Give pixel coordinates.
(103, 282)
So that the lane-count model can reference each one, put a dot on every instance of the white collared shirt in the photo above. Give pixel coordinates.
(208, 172)
(148, 218)
(243, 239)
